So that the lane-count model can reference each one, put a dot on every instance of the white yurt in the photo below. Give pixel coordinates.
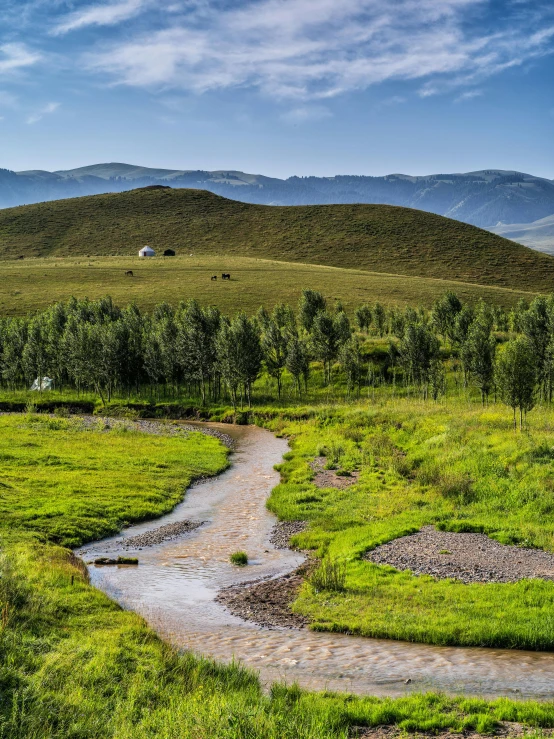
(147, 251)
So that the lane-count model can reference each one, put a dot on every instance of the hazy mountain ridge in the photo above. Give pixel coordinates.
(486, 198)
(538, 235)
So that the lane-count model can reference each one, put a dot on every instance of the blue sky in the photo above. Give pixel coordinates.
(279, 87)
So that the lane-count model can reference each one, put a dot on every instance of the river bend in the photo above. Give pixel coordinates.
(175, 585)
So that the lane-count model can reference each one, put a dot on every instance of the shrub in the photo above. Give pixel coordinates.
(240, 559)
(330, 575)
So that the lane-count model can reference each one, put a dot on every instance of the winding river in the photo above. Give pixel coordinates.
(175, 585)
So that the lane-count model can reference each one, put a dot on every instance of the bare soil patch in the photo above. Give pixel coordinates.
(267, 602)
(329, 478)
(470, 558)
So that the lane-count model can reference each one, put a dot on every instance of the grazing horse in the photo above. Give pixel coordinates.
(214, 277)
(225, 276)
(129, 273)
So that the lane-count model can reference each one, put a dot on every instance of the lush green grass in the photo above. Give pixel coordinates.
(379, 238)
(73, 665)
(72, 484)
(35, 284)
(456, 466)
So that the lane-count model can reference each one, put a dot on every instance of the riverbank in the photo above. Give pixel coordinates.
(74, 664)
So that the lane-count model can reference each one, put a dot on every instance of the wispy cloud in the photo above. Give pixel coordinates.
(104, 14)
(306, 113)
(39, 114)
(15, 56)
(469, 95)
(317, 49)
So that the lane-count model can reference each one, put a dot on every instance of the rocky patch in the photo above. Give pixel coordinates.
(470, 558)
(283, 530)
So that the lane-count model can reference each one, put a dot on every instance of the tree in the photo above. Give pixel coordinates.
(478, 357)
(274, 345)
(536, 324)
(311, 303)
(418, 349)
(195, 340)
(350, 358)
(363, 317)
(516, 377)
(298, 363)
(325, 342)
(379, 318)
(239, 355)
(35, 352)
(464, 319)
(443, 315)
(342, 327)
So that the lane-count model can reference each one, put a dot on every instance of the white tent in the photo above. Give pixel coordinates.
(147, 251)
(47, 383)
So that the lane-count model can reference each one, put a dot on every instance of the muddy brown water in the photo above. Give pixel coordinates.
(176, 582)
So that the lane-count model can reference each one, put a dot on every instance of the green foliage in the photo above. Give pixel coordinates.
(516, 374)
(239, 558)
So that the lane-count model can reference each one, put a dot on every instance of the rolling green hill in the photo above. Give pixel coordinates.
(379, 238)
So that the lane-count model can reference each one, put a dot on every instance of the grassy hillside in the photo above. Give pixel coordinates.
(33, 284)
(379, 238)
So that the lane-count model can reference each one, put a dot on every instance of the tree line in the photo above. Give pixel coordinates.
(95, 345)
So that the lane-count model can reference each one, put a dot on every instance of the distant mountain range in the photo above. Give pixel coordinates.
(489, 198)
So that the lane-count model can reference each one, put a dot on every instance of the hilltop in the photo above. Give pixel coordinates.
(379, 238)
(484, 198)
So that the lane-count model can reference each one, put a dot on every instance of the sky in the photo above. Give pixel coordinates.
(279, 87)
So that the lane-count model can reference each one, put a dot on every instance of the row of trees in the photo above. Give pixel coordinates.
(96, 345)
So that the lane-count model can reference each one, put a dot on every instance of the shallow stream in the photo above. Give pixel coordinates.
(175, 585)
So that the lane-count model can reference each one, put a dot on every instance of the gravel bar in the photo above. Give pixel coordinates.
(283, 530)
(159, 535)
(470, 558)
(158, 428)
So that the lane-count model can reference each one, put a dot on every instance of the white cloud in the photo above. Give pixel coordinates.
(306, 113)
(38, 115)
(105, 14)
(317, 49)
(15, 56)
(469, 95)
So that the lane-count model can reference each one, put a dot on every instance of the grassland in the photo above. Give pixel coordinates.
(457, 466)
(377, 238)
(75, 666)
(34, 284)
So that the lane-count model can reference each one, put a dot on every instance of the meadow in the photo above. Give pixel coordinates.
(377, 238)
(458, 466)
(33, 284)
(76, 666)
